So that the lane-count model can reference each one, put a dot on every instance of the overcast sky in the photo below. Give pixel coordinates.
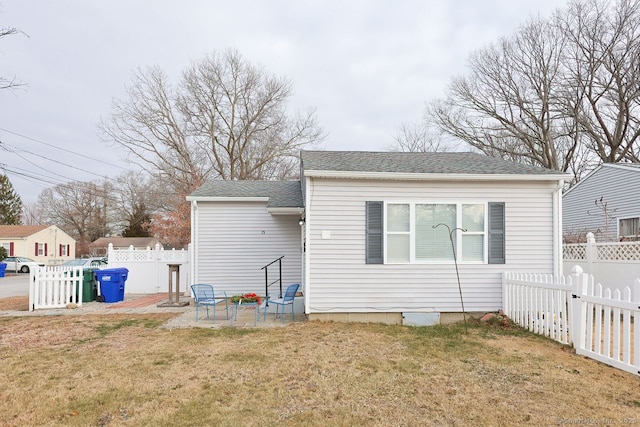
(364, 66)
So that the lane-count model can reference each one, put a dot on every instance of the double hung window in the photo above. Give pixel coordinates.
(629, 228)
(424, 232)
(419, 232)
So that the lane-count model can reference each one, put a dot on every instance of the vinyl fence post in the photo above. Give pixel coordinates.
(506, 306)
(591, 253)
(635, 297)
(578, 310)
(635, 291)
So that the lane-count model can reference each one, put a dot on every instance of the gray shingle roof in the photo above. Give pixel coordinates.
(281, 194)
(400, 162)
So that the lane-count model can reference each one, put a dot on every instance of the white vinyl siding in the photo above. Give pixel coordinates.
(236, 239)
(341, 281)
(618, 188)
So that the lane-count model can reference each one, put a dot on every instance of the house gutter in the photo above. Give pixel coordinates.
(434, 176)
(226, 199)
(285, 211)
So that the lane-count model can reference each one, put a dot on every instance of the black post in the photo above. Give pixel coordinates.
(266, 286)
(280, 268)
(455, 261)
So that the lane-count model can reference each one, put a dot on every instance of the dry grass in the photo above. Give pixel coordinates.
(14, 303)
(127, 370)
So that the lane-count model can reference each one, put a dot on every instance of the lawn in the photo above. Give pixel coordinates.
(128, 370)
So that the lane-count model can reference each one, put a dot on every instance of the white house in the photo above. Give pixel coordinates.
(606, 203)
(357, 232)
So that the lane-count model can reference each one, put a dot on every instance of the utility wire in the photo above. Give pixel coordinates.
(60, 148)
(67, 185)
(4, 144)
(40, 167)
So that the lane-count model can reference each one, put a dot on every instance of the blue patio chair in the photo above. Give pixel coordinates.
(205, 296)
(287, 299)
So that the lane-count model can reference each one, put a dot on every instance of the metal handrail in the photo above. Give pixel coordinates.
(266, 278)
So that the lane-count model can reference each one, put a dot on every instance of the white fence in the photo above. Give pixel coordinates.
(598, 322)
(538, 302)
(149, 268)
(609, 262)
(55, 287)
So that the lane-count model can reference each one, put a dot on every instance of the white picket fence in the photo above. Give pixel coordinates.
(598, 321)
(55, 287)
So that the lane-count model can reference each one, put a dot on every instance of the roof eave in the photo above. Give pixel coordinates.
(435, 176)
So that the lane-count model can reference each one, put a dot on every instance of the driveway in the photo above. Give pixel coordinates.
(14, 285)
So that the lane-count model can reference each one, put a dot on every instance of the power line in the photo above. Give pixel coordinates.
(4, 144)
(60, 148)
(28, 174)
(51, 172)
(76, 185)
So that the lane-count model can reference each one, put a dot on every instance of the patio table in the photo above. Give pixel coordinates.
(253, 305)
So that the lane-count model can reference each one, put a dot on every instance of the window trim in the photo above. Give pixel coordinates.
(618, 226)
(458, 235)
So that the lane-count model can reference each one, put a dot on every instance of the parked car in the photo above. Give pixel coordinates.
(86, 263)
(21, 264)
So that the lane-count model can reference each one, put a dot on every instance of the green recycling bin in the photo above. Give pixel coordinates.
(89, 287)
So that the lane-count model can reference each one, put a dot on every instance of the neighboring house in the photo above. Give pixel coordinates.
(606, 203)
(357, 232)
(100, 246)
(47, 245)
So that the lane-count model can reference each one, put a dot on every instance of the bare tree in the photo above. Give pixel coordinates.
(603, 75)
(226, 119)
(419, 137)
(81, 209)
(33, 214)
(506, 106)
(5, 82)
(560, 93)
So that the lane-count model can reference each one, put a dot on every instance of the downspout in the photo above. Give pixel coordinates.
(307, 246)
(194, 245)
(557, 229)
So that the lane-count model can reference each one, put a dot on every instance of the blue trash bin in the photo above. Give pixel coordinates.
(112, 282)
(3, 267)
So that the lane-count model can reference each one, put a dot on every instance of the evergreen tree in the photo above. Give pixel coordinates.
(139, 220)
(10, 203)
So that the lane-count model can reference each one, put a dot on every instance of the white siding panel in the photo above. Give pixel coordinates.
(619, 189)
(340, 281)
(236, 239)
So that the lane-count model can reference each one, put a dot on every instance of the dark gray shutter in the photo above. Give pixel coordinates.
(496, 233)
(374, 239)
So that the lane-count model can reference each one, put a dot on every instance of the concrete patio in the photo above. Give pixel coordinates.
(186, 315)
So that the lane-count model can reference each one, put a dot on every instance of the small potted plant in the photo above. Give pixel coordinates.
(3, 265)
(245, 298)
